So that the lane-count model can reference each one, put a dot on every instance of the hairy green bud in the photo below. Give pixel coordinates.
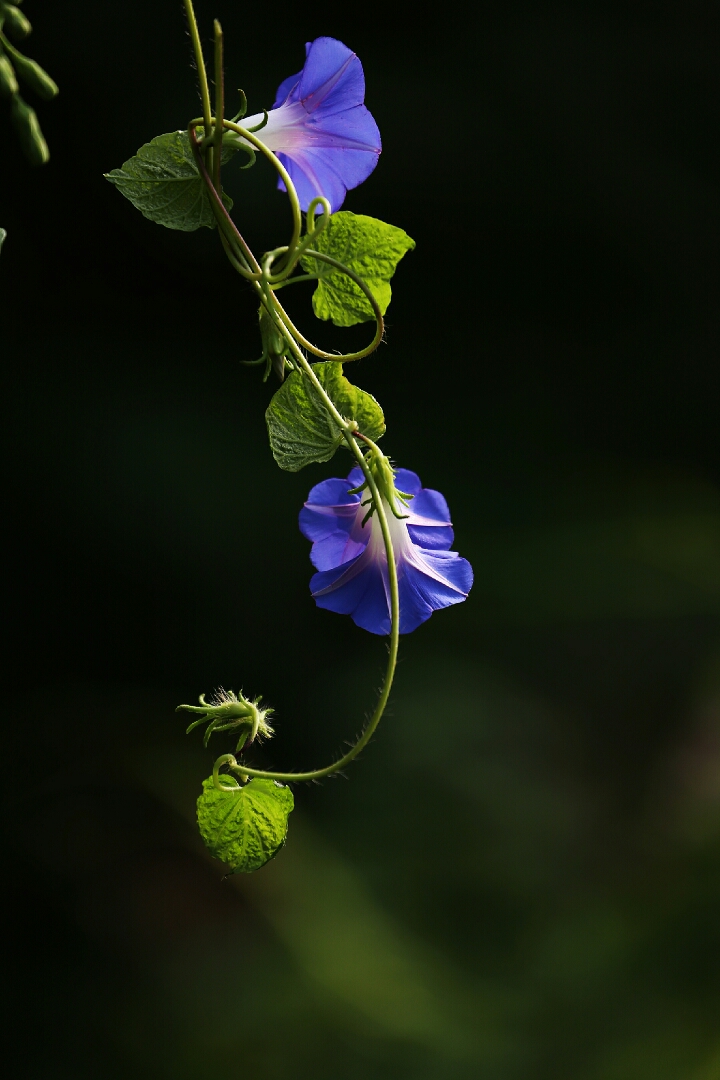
(227, 711)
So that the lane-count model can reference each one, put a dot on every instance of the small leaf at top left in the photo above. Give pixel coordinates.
(163, 182)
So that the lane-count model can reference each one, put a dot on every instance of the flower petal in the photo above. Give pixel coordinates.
(335, 550)
(330, 519)
(329, 507)
(333, 492)
(442, 578)
(429, 507)
(407, 481)
(429, 521)
(286, 89)
(291, 128)
(373, 611)
(319, 127)
(332, 78)
(358, 589)
(353, 574)
(435, 537)
(327, 171)
(414, 609)
(326, 503)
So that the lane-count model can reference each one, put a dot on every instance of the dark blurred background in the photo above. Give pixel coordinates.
(521, 876)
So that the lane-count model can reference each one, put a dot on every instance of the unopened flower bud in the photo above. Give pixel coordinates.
(17, 23)
(274, 344)
(28, 129)
(8, 82)
(35, 77)
(228, 712)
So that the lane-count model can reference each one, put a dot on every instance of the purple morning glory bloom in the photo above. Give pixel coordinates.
(351, 559)
(319, 128)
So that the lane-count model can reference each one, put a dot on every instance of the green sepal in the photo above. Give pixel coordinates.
(228, 711)
(245, 827)
(372, 249)
(163, 182)
(300, 427)
(274, 345)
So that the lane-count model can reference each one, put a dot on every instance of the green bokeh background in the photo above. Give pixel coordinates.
(521, 876)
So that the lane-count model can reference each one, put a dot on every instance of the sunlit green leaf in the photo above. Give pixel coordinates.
(372, 249)
(245, 827)
(163, 182)
(300, 427)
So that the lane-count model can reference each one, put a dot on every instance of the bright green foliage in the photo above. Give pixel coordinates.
(163, 182)
(350, 401)
(372, 249)
(245, 827)
(300, 427)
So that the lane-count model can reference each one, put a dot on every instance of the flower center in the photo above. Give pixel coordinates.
(398, 530)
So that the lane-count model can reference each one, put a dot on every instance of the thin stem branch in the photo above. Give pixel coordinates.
(235, 258)
(10, 48)
(320, 353)
(202, 72)
(263, 285)
(294, 252)
(248, 136)
(223, 218)
(367, 733)
(314, 228)
(219, 105)
(294, 281)
(369, 729)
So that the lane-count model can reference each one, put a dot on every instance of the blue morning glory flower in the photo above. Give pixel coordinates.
(319, 128)
(351, 560)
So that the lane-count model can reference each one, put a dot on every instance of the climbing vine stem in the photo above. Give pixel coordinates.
(260, 275)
